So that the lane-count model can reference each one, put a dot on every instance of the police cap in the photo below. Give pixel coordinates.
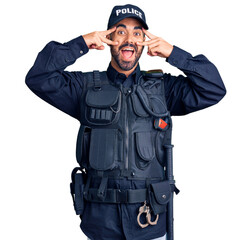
(126, 11)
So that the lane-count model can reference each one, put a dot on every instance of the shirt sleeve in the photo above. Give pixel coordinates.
(48, 80)
(202, 87)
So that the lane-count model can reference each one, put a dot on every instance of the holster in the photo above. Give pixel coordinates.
(77, 190)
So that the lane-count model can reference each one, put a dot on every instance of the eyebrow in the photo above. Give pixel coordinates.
(124, 26)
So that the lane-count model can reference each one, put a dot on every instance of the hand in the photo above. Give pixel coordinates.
(95, 40)
(156, 45)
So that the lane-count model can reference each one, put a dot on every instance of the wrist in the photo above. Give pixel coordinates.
(169, 51)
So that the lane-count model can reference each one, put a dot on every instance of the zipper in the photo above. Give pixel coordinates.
(126, 124)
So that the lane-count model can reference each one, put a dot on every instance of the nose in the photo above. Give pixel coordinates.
(130, 38)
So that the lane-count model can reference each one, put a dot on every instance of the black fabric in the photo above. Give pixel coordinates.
(109, 221)
(102, 105)
(200, 87)
(138, 106)
(102, 191)
(145, 149)
(153, 105)
(102, 98)
(127, 196)
(103, 144)
(159, 195)
(82, 145)
(77, 190)
(97, 80)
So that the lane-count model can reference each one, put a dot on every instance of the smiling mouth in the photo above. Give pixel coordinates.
(127, 53)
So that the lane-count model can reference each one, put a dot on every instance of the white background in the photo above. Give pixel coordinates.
(212, 155)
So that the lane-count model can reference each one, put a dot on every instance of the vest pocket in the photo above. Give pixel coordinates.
(137, 106)
(145, 149)
(103, 106)
(159, 149)
(82, 146)
(103, 149)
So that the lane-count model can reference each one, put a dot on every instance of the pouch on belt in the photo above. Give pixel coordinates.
(159, 195)
(77, 190)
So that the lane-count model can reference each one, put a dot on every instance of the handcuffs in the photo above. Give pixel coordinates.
(146, 209)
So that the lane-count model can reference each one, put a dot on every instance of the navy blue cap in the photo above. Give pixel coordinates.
(126, 11)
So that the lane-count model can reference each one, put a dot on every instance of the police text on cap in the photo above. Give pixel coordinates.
(128, 10)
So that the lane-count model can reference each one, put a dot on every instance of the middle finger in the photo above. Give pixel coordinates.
(147, 43)
(108, 42)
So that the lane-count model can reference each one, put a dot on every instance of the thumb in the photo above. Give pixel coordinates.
(93, 46)
(100, 48)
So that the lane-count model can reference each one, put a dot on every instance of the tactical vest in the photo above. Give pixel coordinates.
(122, 135)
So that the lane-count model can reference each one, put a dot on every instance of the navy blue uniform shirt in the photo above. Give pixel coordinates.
(200, 88)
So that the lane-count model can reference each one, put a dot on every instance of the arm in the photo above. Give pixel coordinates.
(47, 78)
(202, 87)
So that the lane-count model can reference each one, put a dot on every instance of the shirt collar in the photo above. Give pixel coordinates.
(113, 75)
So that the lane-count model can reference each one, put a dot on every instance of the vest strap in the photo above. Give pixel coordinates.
(86, 188)
(97, 80)
(102, 191)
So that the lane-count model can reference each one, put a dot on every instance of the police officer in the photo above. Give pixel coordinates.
(119, 143)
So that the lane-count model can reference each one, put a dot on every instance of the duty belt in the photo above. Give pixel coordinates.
(117, 195)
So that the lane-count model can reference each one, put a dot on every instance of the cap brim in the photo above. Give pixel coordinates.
(145, 26)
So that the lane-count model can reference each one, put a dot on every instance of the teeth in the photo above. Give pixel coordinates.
(128, 49)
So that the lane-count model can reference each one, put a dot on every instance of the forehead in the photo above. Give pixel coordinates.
(130, 23)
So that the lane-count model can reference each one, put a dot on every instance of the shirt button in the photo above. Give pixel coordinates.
(81, 52)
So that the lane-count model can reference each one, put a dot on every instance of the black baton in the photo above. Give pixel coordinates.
(169, 176)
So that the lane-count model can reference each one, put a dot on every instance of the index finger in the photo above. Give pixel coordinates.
(147, 43)
(148, 34)
(108, 41)
(107, 32)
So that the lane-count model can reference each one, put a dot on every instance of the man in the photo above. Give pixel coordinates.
(124, 115)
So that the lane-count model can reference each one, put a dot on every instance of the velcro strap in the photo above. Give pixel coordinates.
(101, 193)
(97, 80)
(175, 189)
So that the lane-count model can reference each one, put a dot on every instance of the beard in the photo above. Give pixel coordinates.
(126, 65)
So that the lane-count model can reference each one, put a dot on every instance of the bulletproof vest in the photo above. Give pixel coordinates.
(122, 129)
(125, 133)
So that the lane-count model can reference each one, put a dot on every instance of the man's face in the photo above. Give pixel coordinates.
(126, 54)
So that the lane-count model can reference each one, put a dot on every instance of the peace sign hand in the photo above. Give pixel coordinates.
(95, 40)
(156, 45)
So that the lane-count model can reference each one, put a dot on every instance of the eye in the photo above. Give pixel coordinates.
(137, 34)
(121, 32)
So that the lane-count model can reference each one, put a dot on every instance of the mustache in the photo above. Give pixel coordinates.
(128, 45)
